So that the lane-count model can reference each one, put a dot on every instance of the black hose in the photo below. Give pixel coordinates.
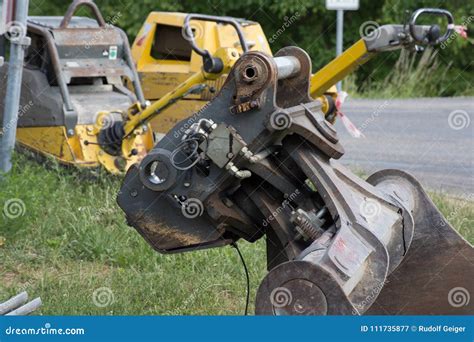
(234, 244)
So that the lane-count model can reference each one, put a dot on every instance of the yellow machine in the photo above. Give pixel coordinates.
(82, 100)
(73, 86)
(75, 106)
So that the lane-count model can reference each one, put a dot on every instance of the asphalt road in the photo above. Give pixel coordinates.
(431, 138)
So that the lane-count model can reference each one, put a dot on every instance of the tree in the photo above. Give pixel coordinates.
(314, 29)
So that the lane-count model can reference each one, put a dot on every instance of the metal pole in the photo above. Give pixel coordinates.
(18, 42)
(13, 303)
(26, 309)
(2, 48)
(339, 34)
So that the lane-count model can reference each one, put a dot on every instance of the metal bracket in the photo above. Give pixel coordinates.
(70, 120)
(22, 41)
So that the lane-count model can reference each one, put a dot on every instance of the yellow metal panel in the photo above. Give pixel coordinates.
(157, 84)
(136, 116)
(82, 149)
(165, 121)
(159, 77)
(52, 141)
(339, 68)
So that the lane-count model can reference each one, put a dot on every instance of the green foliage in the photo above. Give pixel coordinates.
(411, 76)
(314, 30)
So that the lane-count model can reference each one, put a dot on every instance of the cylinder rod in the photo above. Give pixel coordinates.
(287, 66)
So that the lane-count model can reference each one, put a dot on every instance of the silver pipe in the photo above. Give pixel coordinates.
(137, 86)
(262, 155)
(12, 100)
(13, 303)
(287, 66)
(339, 39)
(27, 308)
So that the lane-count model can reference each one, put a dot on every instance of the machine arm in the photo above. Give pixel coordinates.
(384, 38)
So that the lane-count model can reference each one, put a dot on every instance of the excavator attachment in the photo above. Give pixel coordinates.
(262, 160)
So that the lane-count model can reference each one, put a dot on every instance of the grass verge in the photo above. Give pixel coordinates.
(71, 246)
(413, 76)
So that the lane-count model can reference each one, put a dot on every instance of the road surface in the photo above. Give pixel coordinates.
(431, 138)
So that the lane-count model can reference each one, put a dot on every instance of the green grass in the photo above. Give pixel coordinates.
(413, 76)
(73, 240)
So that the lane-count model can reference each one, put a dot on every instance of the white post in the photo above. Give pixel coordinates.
(340, 6)
(339, 35)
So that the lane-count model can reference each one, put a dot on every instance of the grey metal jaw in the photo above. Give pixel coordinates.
(432, 277)
(437, 272)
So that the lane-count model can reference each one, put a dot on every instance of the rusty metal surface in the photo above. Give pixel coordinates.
(70, 48)
(82, 3)
(70, 116)
(51, 22)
